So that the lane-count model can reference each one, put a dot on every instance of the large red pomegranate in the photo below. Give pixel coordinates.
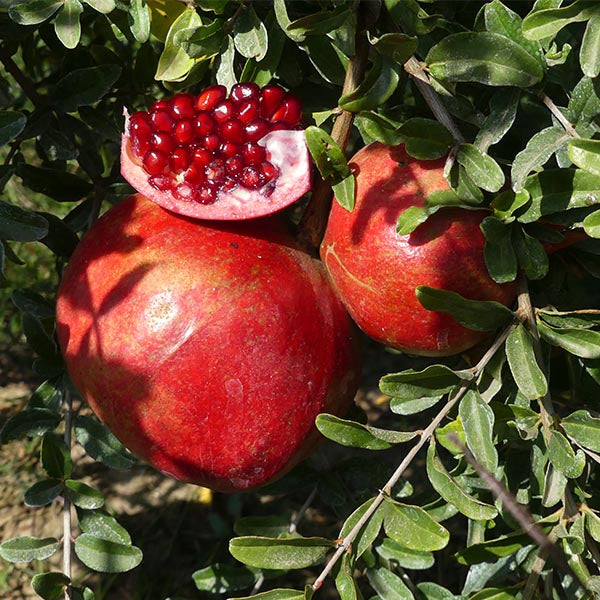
(376, 271)
(207, 349)
(218, 156)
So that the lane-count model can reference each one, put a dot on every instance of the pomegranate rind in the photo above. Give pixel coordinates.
(286, 149)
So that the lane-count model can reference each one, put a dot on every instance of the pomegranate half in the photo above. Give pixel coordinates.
(219, 157)
(376, 271)
(207, 349)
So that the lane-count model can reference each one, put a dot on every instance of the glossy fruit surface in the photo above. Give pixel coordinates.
(218, 156)
(376, 271)
(208, 350)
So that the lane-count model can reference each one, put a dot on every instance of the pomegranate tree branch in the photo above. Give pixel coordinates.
(24, 82)
(314, 219)
(67, 525)
(558, 114)
(425, 436)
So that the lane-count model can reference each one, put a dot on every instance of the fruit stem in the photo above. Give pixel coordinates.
(425, 436)
(311, 228)
(67, 525)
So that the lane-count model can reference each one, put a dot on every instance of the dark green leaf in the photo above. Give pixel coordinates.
(32, 12)
(345, 583)
(531, 255)
(329, 158)
(406, 558)
(397, 46)
(425, 139)
(375, 127)
(433, 591)
(414, 216)
(320, 23)
(44, 492)
(585, 153)
(82, 87)
(49, 396)
(102, 6)
(12, 124)
(547, 23)
(56, 458)
(105, 556)
(26, 549)
(103, 526)
(580, 342)
(20, 225)
(368, 532)
(499, 255)
(523, 364)
(474, 314)
(276, 594)
(82, 495)
(38, 338)
(30, 422)
(58, 185)
(482, 169)
(477, 419)
(223, 578)
(583, 428)
(50, 586)
(284, 553)
(503, 110)
(388, 585)
(563, 457)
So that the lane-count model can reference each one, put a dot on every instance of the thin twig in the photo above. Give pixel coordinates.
(24, 82)
(423, 439)
(558, 114)
(67, 535)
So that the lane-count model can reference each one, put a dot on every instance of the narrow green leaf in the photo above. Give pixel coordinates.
(445, 485)
(592, 523)
(585, 153)
(531, 255)
(103, 526)
(400, 406)
(475, 314)
(478, 424)
(388, 585)
(591, 224)
(25, 549)
(345, 583)
(369, 531)
(12, 124)
(397, 46)
(30, 422)
(499, 255)
(580, 342)
(431, 381)
(488, 58)
(139, 15)
(555, 484)
(38, 337)
(225, 70)
(106, 556)
(345, 191)
(276, 594)
(563, 457)
(21, 225)
(413, 527)
(410, 218)
(425, 139)
(589, 56)
(406, 558)
(102, 6)
(483, 170)
(375, 127)
(320, 23)
(61, 186)
(32, 12)
(56, 458)
(44, 492)
(223, 578)
(82, 87)
(503, 110)
(50, 586)
(547, 23)
(583, 428)
(284, 553)
(67, 25)
(82, 495)
(492, 550)
(445, 436)
(523, 364)
(433, 591)
(584, 103)
(496, 593)
(250, 35)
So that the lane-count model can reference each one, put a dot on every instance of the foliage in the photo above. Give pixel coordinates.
(519, 81)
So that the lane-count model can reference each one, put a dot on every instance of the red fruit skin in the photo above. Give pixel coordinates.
(207, 349)
(376, 271)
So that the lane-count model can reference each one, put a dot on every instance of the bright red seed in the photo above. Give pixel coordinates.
(223, 111)
(289, 112)
(232, 131)
(229, 149)
(182, 106)
(179, 160)
(202, 156)
(268, 171)
(207, 194)
(234, 165)
(271, 97)
(248, 111)
(253, 153)
(251, 177)
(162, 120)
(195, 174)
(184, 131)
(244, 91)
(155, 162)
(210, 97)
(211, 142)
(163, 142)
(215, 171)
(159, 105)
(204, 124)
(257, 129)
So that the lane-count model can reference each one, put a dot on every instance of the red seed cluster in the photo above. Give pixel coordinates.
(197, 146)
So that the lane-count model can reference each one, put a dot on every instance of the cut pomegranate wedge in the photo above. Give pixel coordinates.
(220, 157)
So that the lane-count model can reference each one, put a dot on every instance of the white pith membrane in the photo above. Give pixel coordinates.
(286, 150)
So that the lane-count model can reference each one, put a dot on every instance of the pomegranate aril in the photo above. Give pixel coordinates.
(289, 112)
(215, 171)
(211, 142)
(184, 131)
(201, 157)
(204, 124)
(223, 111)
(233, 131)
(234, 165)
(207, 194)
(210, 97)
(195, 174)
(244, 91)
(248, 111)
(257, 129)
(251, 177)
(179, 160)
(229, 149)
(228, 184)
(163, 142)
(155, 162)
(162, 183)
(140, 146)
(159, 105)
(182, 106)
(253, 153)
(268, 171)
(271, 97)
(162, 120)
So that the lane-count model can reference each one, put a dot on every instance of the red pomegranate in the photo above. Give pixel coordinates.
(376, 271)
(207, 349)
(217, 156)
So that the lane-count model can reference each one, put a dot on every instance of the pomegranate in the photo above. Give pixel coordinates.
(219, 157)
(207, 349)
(376, 271)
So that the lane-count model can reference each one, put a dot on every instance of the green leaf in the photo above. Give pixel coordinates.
(547, 23)
(25, 549)
(38, 338)
(368, 532)
(82, 495)
(345, 583)
(585, 153)
(531, 256)
(30, 422)
(21, 225)
(563, 457)
(591, 224)
(350, 433)
(388, 585)
(580, 342)
(483, 170)
(345, 192)
(401, 406)
(433, 591)
(103, 526)
(319, 23)
(496, 594)
(276, 594)
(449, 490)
(378, 85)
(410, 218)
(32, 303)
(106, 556)
(101, 444)
(49, 396)
(223, 578)
(413, 527)
(58, 185)
(538, 151)
(488, 58)
(589, 56)
(492, 550)
(397, 46)
(50, 586)
(583, 429)
(250, 35)
(67, 25)
(56, 458)
(12, 124)
(523, 364)
(481, 315)
(201, 42)
(554, 486)
(503, 110)
(557, 190)
(592, 523)
(44, 492)
(425, 139)
(499, 254)
(434, 380)
(284, 22)
(477, 419)
(102, 6)
(83, 87)
(139, 17)
(32, 12)
(284, 553)
(225, 70)
(406, 558)
(445, 436)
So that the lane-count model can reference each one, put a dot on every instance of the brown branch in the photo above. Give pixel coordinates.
(558, 114)
(24, 82)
